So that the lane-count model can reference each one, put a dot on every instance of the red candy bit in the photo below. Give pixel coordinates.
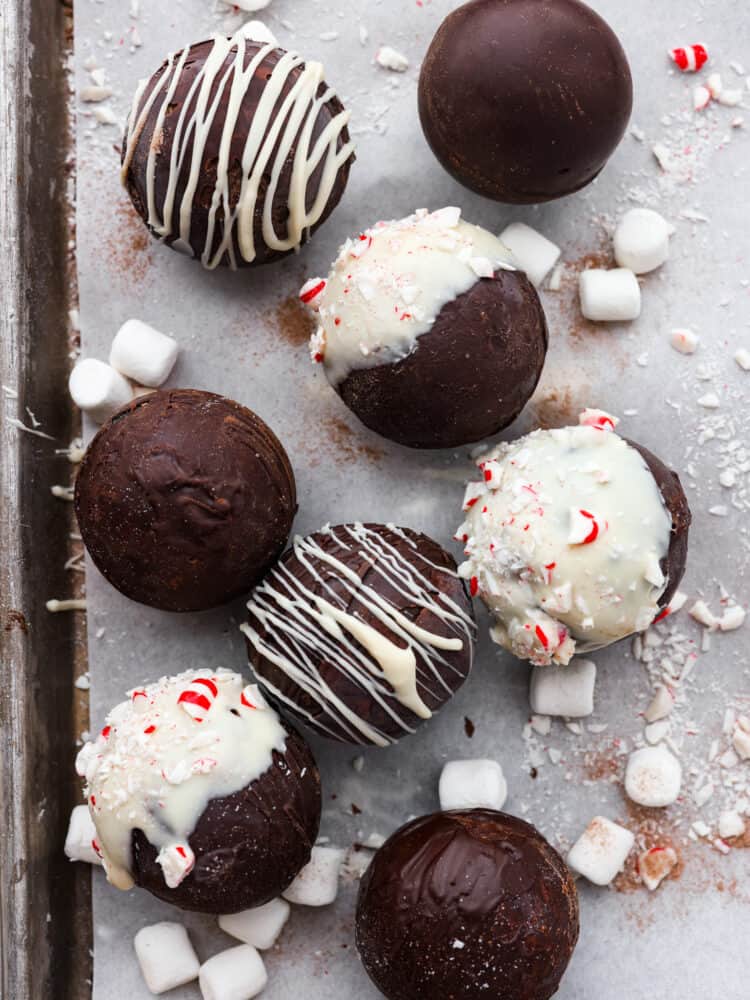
(97, 849)
(542, 636)
(584, 528)
(318, 358)
(138, 694)
(662, 614)
(105, 732)
(689, 58)
(181, 851)
(311, 290)
(208, 683)
(149, 729)
(474, 586)
(548, 572)
(92, 799)
(600, 420)
(195, 701)
(491, 472)
(245, 700)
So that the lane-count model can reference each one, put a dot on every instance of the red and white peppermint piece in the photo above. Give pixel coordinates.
(360, 246)
(198, 698)
(318, 345)
(491, 471)
(684, 341)
(655, 864)
(311, 291)
(701, 98)
(177, 861)
(473, 492)
(689, 58)
(599, 419)
(584, 527)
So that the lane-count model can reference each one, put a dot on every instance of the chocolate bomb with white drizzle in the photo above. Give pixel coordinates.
(201, 794)
(235, 151)
(427, 331)
(362, 632)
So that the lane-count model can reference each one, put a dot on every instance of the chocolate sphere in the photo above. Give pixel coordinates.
(361, 632)
(524, 101)
(184, 499)
(214, 167)
(428, 333)
(466, 904)
(201, 794)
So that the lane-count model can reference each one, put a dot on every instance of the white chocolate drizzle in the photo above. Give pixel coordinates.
(301, 626)
(388, 285)
(564, 539)
(281, 128)
(164, 754)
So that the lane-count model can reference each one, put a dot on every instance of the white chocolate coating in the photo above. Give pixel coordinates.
(564, 541)
(286, 123)
(163, 754)
(388, 285)
(302, 626)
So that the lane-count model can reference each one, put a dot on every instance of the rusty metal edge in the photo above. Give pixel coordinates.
(45, 923)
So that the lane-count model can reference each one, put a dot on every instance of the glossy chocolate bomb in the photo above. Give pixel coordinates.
(361, 632)
(236, 151)
(201, 794)
(184, 499)
(427, 331)
(466, 904)
(524, 101)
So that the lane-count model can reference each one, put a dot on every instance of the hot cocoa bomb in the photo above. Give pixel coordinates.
(184, 499)
(466, 904)
(361, 632)
(236, 151)
(574, 538)
(427, 331)
(524, 101)
(201, 794)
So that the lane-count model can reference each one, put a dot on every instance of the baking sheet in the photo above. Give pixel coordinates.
(241, 335)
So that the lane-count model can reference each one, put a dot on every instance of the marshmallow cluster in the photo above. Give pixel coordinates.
(139, 354)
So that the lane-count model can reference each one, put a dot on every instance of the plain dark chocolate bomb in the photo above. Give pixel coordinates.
(468, 377)
(248, 846)
(307, 672)
(184, 499)
(167, 131)
(524, 101)
(670, 487)
(462, 905)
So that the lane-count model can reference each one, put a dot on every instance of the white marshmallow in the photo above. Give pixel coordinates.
(642, 240)
(742, 358)
(166, 956)
(98, 389)
(601, 850)
(259, 927)
(661, 705)
(533, 253)
(259, 32)
(318, 882)
(566, 691)
(653, 777)
(472, 784)
(81, 831)
(731, 824)
(235, 974)
(609, 296)
(655, 864)
(143, 353)
(684, 341)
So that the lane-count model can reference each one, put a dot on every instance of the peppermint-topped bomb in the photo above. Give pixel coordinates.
(467, 904)
(427, 332)
(574, 538)
(524, 101)
(235, 151)
(184, 499)
(362, 632)
(200, 793)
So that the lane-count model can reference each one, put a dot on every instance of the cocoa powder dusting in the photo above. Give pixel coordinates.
(126, 247)
(345, 441)
(293, 321)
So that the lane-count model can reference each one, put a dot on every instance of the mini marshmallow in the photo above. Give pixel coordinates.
(81, 831)
(566, 691)
(641, 240)
(601, 850)
(390, 58)
(143, 353)
(609, 296)
(235, 974)
(98, 389)
(472, 784)
(533, 253)
(653, 777)
(259, 927)
(318, 882)
(731, 824)
(684, 341)
(655, 864)
(166, 956)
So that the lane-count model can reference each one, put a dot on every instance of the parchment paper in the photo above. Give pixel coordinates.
(239, 338)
